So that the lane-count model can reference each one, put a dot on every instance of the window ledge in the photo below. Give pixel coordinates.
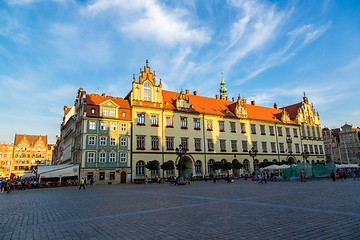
(209, 129)
(223, 150)
(243, 131)
(245, 150)
(263, 133)
(184, 127)
(197, 128)
(211, 150)
(154, 125)
(141, 124)
(280, 135)
(233, 131)
(221, 130)
(170, 149)
(140, 148)
(234, 150)
(154, 148)
(170, 126)
(198, 149)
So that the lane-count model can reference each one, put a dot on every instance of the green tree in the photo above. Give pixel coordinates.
(153, 165)
(166, 166)
(237, 165)
(226, 166)
(217, 165)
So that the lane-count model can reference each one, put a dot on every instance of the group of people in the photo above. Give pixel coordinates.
(342, 174)
(7, 184)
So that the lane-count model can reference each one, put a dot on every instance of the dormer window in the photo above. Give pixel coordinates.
(182, 104)
(92, 110)
(147, 91)
(105, 111)
(112, 112)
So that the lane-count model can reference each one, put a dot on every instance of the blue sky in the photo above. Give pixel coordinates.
(269, 51)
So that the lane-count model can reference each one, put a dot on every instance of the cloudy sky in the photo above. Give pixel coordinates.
(269, 51)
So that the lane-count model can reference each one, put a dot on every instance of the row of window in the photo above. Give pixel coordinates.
(108, 112)
(38, 155)
(103, 141)
(29, 149)
(102, 157)
(313, 148)
(309, 131)
(104, 126)
(209, 125)
(155, 145)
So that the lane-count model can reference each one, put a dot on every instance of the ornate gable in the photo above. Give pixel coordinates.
(307, 114)
(182, 102)
(240, 108)
(285, 116)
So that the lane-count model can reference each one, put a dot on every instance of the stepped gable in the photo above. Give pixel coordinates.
(95, 99)
(293, 110)
(32, 139)
(205, 105)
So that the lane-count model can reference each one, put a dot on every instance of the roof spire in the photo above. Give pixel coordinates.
(305, 99)
(223, 89)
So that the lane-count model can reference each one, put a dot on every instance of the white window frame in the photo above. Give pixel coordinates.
(123, 142)
(105, 111)
(103, 126)
(169, 121)
(92, 125)
(147, 91)
(122, 157)
(113, 126)
(112, 141)
(112, 112)
(170, 143)
(141, 119)
(154, 120)
(123, 127)
(112, 157)
(102, 157)
(102, 141)
(91, 157)
(91, 140)
(183, 121)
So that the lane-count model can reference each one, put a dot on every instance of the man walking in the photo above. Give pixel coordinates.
(82, 183)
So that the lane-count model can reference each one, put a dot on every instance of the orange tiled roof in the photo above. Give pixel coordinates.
(31, 138)
(292, 110)
(205, 105)
(95, 99)
(67, 110)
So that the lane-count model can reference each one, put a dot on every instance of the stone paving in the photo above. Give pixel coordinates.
(277, 210)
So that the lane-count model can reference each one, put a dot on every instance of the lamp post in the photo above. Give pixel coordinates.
(180, 151)
(305, 155)
(253, 153)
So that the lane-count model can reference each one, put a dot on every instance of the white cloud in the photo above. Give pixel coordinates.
(11, 28)
(150, 21)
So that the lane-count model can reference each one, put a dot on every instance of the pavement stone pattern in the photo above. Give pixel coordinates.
(203, 210)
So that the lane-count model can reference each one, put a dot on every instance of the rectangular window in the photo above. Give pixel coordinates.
(112, 157)
(105, 111)
(254, 145)
(316, 149)
(264, 146)
(318, 132)
(234, 145)
(102, 141)
(221, 126)
(154, 143)
(281, 145)
(313, 131)
(112, 176)
(244, 146)
(123, 127)
(102, 126)
(184, 143)
(140, 142)
(289, 147)
(273, 147)
(197, 144)
(141, 119)
(102, 157)
(232, 127)
(222, 145)
(113, 126)
(170, 143)
(262, 129)
(271, 130)
(311, 148)
(123, 142)
(243, 128)
(154, 120)
(197, 123)
(253, 128)
(102, 176)
(169, 121)
(287, 130)
(112, 112)
(295, 132)
(183, 121)
(306, 148)
(91, 140)
(209, 125)
(210, 145)
(112, 141)
(89, 175)
(280, 131)
(321, 149)
(297, 147)
(122, 157)
(308, 131)
(91, 157)
(92, 125)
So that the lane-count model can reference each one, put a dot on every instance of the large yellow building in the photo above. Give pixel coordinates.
(216, 129)
(6, 160)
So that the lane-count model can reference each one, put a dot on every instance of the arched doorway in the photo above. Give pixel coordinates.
(291, 160)
(123, 177)
(188, 163)
(236, 171)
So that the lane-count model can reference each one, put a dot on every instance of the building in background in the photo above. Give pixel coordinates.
(332, 144)
(6, 159)
(30, 151)
(349, 137)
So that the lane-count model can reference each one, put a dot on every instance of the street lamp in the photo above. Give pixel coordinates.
(180, 151)
(253, 152)
(305, 155)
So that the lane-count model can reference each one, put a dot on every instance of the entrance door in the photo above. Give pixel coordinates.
(123, 177)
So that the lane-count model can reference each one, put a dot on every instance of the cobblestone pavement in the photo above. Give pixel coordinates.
(277, 210)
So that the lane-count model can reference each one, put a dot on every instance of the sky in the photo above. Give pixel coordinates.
(268, 51)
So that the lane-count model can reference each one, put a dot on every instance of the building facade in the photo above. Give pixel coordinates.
(349, 137)
(331, 144)
(6, 160)
(95, 133)
(30, 151)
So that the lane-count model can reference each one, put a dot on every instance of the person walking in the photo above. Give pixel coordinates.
(332, 175)
(91, 181)
(82, 183)
(302, 174)
(146, 181)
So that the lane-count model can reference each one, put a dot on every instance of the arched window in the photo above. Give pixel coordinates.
(170, 171)
(256, 165)
(140, 168)
(274, 161)
(210, 164)
(246, 165)
(223, 162)
(147, 91)
(198, 166)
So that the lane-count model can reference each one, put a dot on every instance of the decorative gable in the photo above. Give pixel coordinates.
(182, 102)
(240, 108)
(285, 116)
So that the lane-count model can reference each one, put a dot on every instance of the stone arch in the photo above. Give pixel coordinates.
(189, 162)
(236, 172)
(209, 166)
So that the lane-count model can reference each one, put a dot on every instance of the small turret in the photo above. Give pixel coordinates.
(223, 89)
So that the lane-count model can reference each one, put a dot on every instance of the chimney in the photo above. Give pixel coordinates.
(195, 93)
(103, 94)
(187, 91)
(276, 106)
(233, 99)
(253, 102)
(244, 100)
(217, 96)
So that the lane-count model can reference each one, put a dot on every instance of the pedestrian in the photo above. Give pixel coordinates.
(23, 185)
(332, 175)
(91, 181)
(214, 178)
(146, 181)
(303, 176)
(82, 183)
(344, 174)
